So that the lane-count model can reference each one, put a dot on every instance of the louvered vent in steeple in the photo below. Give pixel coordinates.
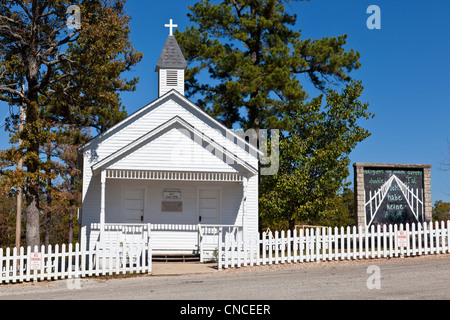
(171, 66)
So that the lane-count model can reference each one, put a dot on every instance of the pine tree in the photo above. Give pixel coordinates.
(256, 65)
(255, 61)
(71, 76)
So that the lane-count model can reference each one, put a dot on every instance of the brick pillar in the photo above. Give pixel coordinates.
(428, 205)
(359, 194)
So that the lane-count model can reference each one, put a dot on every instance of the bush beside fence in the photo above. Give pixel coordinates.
(326, 244)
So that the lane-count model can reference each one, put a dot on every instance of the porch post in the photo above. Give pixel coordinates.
(102, 199)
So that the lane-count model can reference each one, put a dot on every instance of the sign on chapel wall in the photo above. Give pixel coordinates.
(171, 206)
(392, 193)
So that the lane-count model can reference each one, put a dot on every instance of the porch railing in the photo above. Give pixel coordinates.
(209, 236)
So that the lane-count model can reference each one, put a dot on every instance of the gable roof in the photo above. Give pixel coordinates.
(171, 56)
(173, 94)
(175, 120)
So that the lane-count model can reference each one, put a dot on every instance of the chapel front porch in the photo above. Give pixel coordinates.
(163, 239)
(176, 212)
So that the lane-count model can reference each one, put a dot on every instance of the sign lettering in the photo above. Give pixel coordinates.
(393, 196)
(36, 261)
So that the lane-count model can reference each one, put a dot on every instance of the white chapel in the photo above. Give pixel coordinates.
(171, 171)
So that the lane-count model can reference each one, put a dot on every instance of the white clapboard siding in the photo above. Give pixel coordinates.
(153, 116)
(251, 223)
(172, 151)
(327, 244)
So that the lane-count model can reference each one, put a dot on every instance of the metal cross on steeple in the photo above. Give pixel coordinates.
(171, 26)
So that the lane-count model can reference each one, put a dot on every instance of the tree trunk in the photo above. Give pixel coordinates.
(48, 215)
(72, 208)
(71, 224)
(32, 216)
(31, 162)
(20, 188)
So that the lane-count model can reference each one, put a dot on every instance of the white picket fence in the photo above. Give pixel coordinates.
(327, 244)
(62, 262)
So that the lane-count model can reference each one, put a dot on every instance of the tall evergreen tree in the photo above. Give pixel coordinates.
(257, 65)
(255, 60)
(71, 76)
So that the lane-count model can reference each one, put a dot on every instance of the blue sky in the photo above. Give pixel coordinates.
(405, 71)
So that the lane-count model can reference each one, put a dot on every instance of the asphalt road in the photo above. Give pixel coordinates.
(419, 278)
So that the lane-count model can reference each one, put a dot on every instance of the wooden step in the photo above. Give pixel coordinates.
(176, 258)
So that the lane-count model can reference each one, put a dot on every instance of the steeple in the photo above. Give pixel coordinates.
(171, 65)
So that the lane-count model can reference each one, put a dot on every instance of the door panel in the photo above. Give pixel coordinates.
(209, 206)
(133, 208)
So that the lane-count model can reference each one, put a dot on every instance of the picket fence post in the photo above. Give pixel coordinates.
(220, 252)
(337, 249)
(447, 240)
(238, 252)
(271, 245)
(324, 243)
(225, 254)
(294, 246)
(263, 247)
(425, 238)
(413, 239)
(342, 243)
(301, 240)
(437, 233)
(330, 243)
(308, 235)
(444, 237)
(436, 238)
(431, 231)
(288, 246)
(317, 244)
(258, 249)
(276, 247)
(7, 264)
(408, 246)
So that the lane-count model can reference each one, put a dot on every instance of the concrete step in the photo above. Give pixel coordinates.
(175, 257)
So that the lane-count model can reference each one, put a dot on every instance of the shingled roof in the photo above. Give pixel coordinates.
(171, 56)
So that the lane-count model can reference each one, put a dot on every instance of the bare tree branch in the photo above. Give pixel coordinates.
(14, 92)
(13, 34)
(8, 19)
(24, 8)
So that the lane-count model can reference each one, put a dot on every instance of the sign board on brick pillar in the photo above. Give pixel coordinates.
(392, 193)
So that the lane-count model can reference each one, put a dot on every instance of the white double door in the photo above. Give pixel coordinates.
(209, 205)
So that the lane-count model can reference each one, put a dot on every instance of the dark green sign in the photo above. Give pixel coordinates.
(393, 196)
